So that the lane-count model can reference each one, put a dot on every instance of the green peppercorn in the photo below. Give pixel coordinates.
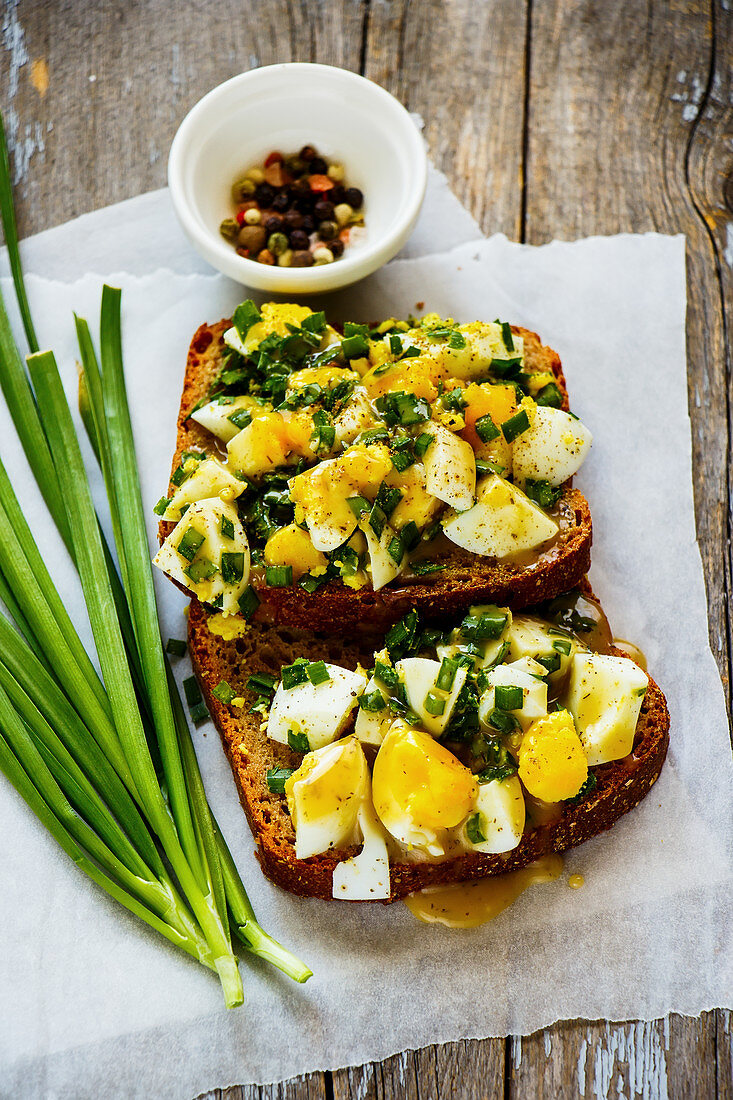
(229, 229)
(242, 189)
(277, 243)
(327, 230)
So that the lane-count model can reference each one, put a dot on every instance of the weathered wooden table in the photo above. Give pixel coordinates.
(552, 119)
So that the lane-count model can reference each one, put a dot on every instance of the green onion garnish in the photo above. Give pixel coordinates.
(298, 742)
(223, 692)
(242, 418)
(396, 550)
(279, 576)
(422, 442)
(410, 535)
(484, 627)
(386, 674)
(372, 701)
(317, 672)
(176, 647)
(423, 568)
(201, 570)
(264, 683)
(377, 520)
(232, 567)
(542, 493)
(358, 505)
(515, 425)
(550, 395)
(388, 497)
(434, 704)
(226, 527)
(190, 544)
(295, 674)
(192, 691)
(486, 429)
(199, 713)
(355, 347)
(162, 505)
(506, 335)
(277, 777)
(447, 674)
(503, 721)
(474, 830)
(508, 697)
(248, 602)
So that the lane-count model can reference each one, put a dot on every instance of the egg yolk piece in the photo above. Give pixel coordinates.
(291, 545)
(552, 763)
(324, 797)
(420, 789)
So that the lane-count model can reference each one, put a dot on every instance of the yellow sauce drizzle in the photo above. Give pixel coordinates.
(576, 881)
(468, 904)
(632, 651)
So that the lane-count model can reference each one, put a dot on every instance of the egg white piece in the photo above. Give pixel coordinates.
(215, 416)
(384, 568)
(552, 449)
(450, 468)
(604, 696)
(501, 816)
(503, 521)
(210, 479)
(204, 516)
(372, 725)
(320, 711)
(419, 675)
(534, 692)
(325, 797)
(365, 877)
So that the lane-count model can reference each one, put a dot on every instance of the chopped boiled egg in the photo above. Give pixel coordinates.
(324, 797)
(432, 690)
(373, 722)
(496, 821)
(365, 877)
(540, 640)
(604, 695)
(416, 505)
(216, 417)
(321, 494)
(552, 448)
(450, 468)
(527, 703)
(499, 402)
(275, 318)
(503, 521)
(210, 479)
(420, 789)
(355, 417)
(291, 545)
(317, 711)
(260, 447)
(552, 762)
(208, 552)
(387, 558)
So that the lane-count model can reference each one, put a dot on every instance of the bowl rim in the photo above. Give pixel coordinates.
(347, 269)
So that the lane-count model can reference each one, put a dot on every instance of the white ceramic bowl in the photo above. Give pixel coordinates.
(346, 117)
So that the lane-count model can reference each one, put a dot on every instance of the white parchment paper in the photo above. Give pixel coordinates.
(92, 1005)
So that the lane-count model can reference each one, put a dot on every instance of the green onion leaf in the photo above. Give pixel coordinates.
(277, 777)
(317, 672)
(508, 697)
(176, 647)
(279, 576)
(223, 692)
(298, 742)
(515, 425)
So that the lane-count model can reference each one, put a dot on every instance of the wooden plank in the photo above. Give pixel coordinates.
(122, 76)
(466, 1070)
(674, 1058)
(461, 66)
(617, 95)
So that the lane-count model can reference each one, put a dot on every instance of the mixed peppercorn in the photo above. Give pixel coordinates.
(294, 211)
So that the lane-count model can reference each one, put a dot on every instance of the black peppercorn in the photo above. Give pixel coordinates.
(264, 194)
(354, 197)
(273, 224)
(318, 167)
(309, 223)
(292, 219)
(307, 153)
(298, 239)
(281, 201)
(323, 210)
(337, 247)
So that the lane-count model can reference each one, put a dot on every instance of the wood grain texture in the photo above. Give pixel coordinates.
(552, 118)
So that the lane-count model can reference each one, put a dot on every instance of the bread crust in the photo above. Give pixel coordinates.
(621, 785)
(466, 580)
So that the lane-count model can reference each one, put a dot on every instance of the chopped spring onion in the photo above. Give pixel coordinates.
(508, 697)
(317, 672)
(486, 429)
(298, 742)
(294, 674)
(447, 674)
(248, 602)
(515, 425)
(434, 704)
(279, 576)
(474, 830)
(372, 701)
(276, 779)
(223, 692)
(176, 647)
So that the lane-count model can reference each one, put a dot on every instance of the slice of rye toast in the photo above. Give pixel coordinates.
(467, 579)
(621, 785)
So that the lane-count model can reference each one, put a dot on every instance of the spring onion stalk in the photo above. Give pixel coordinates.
(115, 670)
(26, 788)
(72, 744)
(253, 936)
(10, 232)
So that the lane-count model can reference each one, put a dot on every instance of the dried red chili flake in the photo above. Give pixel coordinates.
(240, 217)
(320, 183)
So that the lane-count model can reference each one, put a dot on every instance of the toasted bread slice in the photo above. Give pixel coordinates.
(467, 579)
(263, 647)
